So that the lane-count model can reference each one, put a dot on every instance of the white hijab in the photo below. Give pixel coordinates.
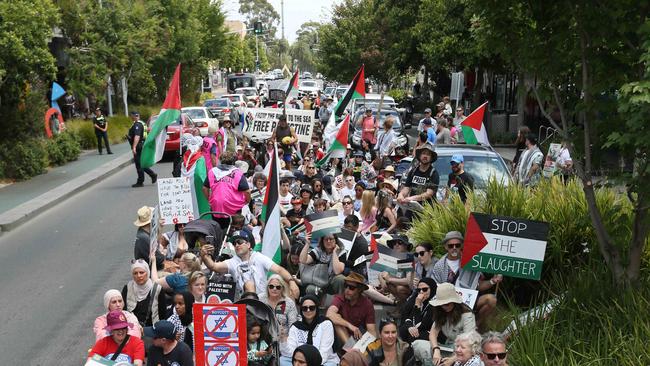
(142, 291)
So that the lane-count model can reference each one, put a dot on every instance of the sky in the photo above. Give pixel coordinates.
(296, 12)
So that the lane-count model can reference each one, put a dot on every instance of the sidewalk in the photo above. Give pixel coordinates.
(21, 201)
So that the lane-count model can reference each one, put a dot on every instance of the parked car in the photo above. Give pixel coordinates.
(238, 100)
(202, 118)
(220, 107)
(306, 75)
(481, 162)
(250, 94)
(174, 130)
(402, 140)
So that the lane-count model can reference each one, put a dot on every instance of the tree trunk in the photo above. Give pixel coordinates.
(425, 83)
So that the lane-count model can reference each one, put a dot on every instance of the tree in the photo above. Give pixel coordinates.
(262, 11)
(594, 78)
(304, 48)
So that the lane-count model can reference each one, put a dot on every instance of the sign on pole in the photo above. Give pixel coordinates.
(259, 123)
(220, 334)
(175, 200)
(509, 246)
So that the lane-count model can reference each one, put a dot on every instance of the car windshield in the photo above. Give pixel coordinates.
(309, 84)
(233, 98)
(246, 92)
(329, 90)
(223, 102)
(481, 168)
(195, 113)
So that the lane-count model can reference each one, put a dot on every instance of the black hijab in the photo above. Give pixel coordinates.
(312, 355)
(432, 287)
(188, 299)
(318, 318)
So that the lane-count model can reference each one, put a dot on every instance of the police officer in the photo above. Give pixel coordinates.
(137, 135)
(101, 126)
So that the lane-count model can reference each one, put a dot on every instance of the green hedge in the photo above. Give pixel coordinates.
(62, 148)
(23, 159)
(84, 131)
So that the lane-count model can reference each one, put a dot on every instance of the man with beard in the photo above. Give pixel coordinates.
(351, 312)
(459, 180)
(447, 269)
(421, 183)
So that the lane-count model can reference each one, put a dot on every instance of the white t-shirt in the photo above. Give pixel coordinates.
(563, 157)
(255, 270)
(453, 264)
(285, 202)
(345, 191)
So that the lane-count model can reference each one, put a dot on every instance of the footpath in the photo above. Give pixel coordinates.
(21, 201)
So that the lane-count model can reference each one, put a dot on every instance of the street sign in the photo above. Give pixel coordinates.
(509, 246)
(220, 334)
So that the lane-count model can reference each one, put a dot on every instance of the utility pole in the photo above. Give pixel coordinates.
(282, 20)
(257, 55)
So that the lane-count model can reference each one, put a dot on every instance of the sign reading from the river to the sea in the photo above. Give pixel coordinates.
(506, 245)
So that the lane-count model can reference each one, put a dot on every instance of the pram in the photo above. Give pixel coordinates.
(266, 316)
(203, 231)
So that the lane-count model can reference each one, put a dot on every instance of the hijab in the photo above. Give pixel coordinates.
(188, 299)
(142, 291)
(312, 355)
(109, 295)
(318, 318)
(432, 287)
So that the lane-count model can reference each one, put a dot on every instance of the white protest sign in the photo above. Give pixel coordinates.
(259, 123)
(469, 296)
(175, 200)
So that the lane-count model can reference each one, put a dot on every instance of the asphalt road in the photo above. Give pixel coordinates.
(58, 266)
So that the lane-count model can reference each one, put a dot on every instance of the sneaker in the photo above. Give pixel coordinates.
(154, 179)
(137, 185)
(110, 153)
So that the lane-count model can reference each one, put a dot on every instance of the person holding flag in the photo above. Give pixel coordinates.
(356, 90)
(286, 136)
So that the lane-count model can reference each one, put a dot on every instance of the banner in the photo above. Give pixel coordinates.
(259, 123)
(220, 334)
(175, 200)
(509, 246)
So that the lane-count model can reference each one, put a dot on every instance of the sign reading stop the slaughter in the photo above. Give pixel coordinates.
(509, 246)
(259, 123)
(175, 200)
(220, 334)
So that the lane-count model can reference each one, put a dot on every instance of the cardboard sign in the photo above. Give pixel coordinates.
(549, 163)
(175, 200)
(259, 123)
(469, 296)
(155, 231)
(509, 246)
(220, 291)
(220, 334)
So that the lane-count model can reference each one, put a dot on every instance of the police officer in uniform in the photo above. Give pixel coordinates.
(137, 135)
(101, 126)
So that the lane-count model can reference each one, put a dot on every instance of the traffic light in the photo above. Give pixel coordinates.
(257, 28)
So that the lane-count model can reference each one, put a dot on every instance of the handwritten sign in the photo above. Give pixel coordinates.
(259, 123)
(175, 200)
(220, 334)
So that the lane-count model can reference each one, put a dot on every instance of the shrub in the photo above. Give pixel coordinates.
(62, 148)
(55, 155)
(84, 131)
(23, 159)
(398, 94)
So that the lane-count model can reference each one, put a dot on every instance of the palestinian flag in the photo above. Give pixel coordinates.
(338, 147)
(271, 235)
(154, 146)
(473, 127)
(292, 88)
(356, 90)
(194, 169)
(323, 223)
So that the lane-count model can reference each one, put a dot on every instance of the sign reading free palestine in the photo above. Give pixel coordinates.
(509, 246)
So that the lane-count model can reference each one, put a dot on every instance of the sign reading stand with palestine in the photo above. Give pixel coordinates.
(509, 246)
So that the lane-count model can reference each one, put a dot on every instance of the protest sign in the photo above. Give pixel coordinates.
(259, 123)
(155, 231)
(220, 290)
(175, 200)
(220, 334)
(509, 246)
(469, 296)
(385, 259)
(549, 163)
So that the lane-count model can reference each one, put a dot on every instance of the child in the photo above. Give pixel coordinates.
(259, 353)
(182, 317)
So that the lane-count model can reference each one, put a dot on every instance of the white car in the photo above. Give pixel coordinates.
(250, 93)
(202, 118)
(308, 87)
(239, 100)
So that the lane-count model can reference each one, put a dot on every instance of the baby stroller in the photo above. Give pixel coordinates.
(265, 316)
(203, 231)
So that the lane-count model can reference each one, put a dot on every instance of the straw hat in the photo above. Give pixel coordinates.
(390, 184)
(445, 294)
(144, 216)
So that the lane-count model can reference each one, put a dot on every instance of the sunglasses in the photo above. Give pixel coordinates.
(454, 246)
(492, 356)
(347, 202)
(307, 308)
(423, 289)
(419, 253)
(311, 167)
(274, 287)
(350, 287)
(240, 242)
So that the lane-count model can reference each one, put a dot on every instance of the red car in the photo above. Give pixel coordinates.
(173, 131)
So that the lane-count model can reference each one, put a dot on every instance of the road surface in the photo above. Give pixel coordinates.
(58, 266)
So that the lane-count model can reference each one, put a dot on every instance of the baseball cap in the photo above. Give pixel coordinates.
(162, 329)
(428, 110)
(457, 158)
(240, 234)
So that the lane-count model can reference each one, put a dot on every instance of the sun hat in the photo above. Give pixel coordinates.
(144, 216)
(445, 294)
(116, 320)
(427, 146)
(452, 235)
(389, 168)
(399, 239)
(354, 277)
(162, 329)
(390, 184)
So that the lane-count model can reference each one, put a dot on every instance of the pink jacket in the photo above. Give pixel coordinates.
(208, 142)
(135, 329)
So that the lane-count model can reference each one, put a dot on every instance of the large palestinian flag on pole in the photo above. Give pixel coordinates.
(356, 90)
(154, 146)
(292, 88)
(271, 235)
(473, 127)
(193, 168)
(338, 147)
